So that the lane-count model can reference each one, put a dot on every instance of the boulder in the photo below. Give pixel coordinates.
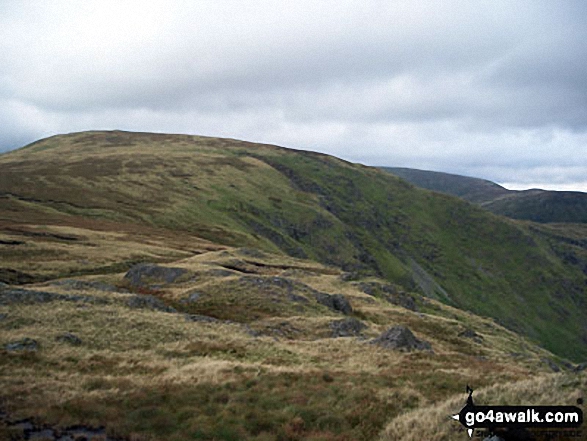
(347, 327)
(24, 345)
(401, 338)
(336, 302)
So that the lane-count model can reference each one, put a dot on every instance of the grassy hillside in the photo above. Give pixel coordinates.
(534, 205)
(471, 189)
(236, 347)
(303, 204)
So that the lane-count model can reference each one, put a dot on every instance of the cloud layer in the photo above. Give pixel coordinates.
(493, 89)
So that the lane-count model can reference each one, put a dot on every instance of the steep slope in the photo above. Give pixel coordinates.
(307, 205)
(534, 205)
(471, 189)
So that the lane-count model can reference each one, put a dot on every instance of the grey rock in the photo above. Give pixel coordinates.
(69, 338)
(148, 302)
(347, 327)
(26, 345)
(580, 367)
(401, 338)
(3, 317)
(145, 274)
(336, 302)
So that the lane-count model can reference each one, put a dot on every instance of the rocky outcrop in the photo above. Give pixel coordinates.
(335, 302)
(23, 345)
(401, 338)
(347, 327)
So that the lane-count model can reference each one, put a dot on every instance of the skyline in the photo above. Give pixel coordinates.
(493, 90)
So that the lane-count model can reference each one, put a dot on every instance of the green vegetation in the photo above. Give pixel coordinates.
(275, 253)
(534, 205)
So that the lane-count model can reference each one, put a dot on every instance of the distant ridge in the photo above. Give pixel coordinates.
(544, 206)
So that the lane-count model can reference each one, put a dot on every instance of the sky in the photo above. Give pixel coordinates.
(492, 89)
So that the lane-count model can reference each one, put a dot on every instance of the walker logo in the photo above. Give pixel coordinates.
(493, 417)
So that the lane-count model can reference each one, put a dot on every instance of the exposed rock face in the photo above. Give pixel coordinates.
(336, 302)
(401, 338)
(347, 327)
(145, 274)
(25, 344)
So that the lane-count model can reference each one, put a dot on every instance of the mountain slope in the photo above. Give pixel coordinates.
(306, 205)
(535, 205)
(471, 189)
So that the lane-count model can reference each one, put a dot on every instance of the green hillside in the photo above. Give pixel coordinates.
(471, 189)
(306, 205)
(534, 205)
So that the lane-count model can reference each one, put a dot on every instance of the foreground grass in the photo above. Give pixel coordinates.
(259, 374)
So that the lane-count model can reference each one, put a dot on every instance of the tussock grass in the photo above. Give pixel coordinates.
(156, 375)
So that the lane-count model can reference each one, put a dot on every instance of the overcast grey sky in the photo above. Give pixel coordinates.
(494, 89)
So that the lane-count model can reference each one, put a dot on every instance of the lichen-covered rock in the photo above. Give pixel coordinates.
(401, 338)
(347, 327)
